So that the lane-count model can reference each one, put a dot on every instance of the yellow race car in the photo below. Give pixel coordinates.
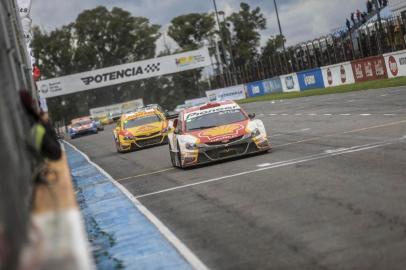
(140, 129)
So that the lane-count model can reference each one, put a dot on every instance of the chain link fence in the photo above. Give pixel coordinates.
(16, 161)
(369, 39)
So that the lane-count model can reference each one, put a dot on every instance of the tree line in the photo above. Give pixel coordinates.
(101, 38)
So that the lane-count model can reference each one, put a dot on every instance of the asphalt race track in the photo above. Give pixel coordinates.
(330, 195)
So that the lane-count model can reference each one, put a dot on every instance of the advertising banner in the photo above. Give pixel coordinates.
(290, 83)
(310, 79)
(124, 73)
(273, 85)
(230, 93)
(255, 89)
(196, 101)
(115, 110)
(396, 64)
(338, 74)
(368, 69)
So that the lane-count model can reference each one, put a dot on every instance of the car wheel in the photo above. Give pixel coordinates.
(172, 157)
(118, 147)
(179, 157)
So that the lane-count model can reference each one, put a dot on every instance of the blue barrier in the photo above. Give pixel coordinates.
(273, 85)
(121, 236)
(255, 89)
(310, 79)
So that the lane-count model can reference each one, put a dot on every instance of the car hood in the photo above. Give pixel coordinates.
(83, 127)
(147, 129)
(222, 133)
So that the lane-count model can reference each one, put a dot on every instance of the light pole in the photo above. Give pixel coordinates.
(379, 25)
(229, 47)
(218, 27)
(279, 24)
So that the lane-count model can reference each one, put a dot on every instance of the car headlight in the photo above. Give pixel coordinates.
(128, 137)
(191, 146)
(255, 133)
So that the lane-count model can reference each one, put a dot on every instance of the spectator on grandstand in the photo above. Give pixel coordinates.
(348, 24)
(369, 6)
(380, 3)
(352, 18)
(358, 15)
(385, 3)
(364, 16)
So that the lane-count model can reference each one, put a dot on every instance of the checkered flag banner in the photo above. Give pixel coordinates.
(152, 68)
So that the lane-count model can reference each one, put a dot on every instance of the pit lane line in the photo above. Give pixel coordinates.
(280, 145)
(324, 155)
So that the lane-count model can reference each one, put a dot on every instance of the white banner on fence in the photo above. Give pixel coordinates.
(196, 101)
(117, 109)
(396, 63)
(230, 93)
(124, 73)
(338, 74)
(290, 83)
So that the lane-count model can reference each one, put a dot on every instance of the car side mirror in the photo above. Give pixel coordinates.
(251, 116)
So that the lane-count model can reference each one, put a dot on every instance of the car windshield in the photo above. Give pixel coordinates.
(215, 119)
(141, 121)
(82, 123)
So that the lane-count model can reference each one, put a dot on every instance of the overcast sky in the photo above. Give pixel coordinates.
(301, 19)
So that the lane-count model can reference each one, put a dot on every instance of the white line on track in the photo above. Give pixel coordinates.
(264, 165)
(312, 114)
(345, 114)
(365, 114)
(389, 114)
(145, 174)
(189, 256)
(283, 164)
(327, 114)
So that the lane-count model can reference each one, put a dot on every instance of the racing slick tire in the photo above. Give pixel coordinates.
(178, 156)
(118, 148)
(172, 157)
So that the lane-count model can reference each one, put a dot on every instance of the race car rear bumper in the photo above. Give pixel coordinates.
(217, 152)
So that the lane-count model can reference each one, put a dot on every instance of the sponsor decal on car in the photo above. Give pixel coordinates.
(222, 133)
(224, 108)
(147, 128)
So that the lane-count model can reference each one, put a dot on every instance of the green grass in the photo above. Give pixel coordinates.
(378, 84)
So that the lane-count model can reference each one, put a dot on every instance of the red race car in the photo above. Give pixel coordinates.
(215, 131)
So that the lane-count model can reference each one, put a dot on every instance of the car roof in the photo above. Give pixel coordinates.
(141, 113)
(84, 118)
(214, 104)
